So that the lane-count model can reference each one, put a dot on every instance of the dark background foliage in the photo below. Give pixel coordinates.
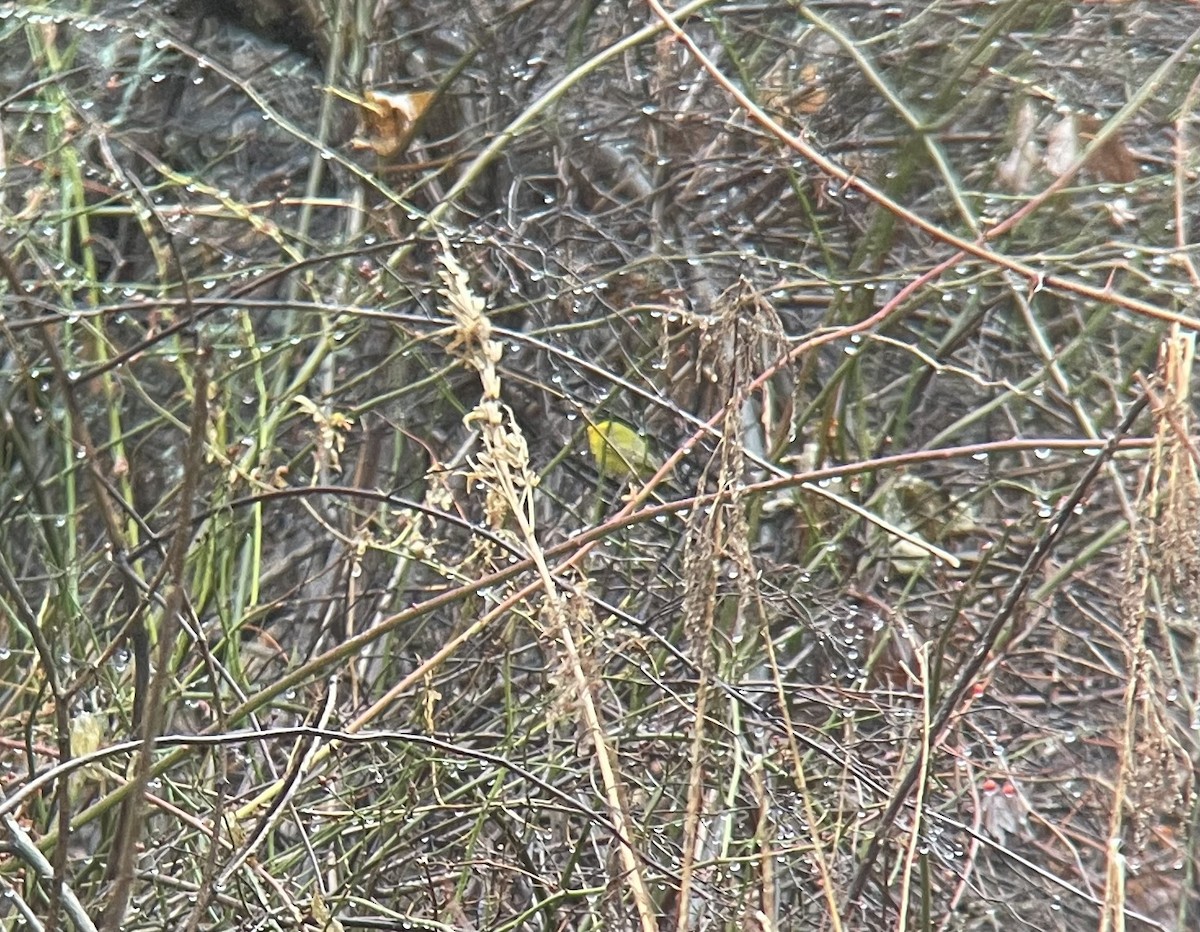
(813, 679)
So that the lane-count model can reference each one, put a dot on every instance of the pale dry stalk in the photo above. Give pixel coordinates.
(1162, 556)
(502, 467)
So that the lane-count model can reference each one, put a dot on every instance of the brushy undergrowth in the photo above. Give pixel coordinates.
(315, 610)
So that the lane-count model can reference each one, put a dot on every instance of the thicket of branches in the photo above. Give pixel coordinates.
(317, 612)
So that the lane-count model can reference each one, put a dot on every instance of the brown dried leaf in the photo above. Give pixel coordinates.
(811, 95)
(1112, 161)
(801, 98)
(389, 119)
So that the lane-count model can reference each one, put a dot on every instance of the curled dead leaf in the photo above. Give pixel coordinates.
(1112, 161)
(811, 96)
(792, 98)
(390, 119)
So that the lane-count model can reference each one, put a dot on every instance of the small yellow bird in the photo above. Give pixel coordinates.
(619, 450)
